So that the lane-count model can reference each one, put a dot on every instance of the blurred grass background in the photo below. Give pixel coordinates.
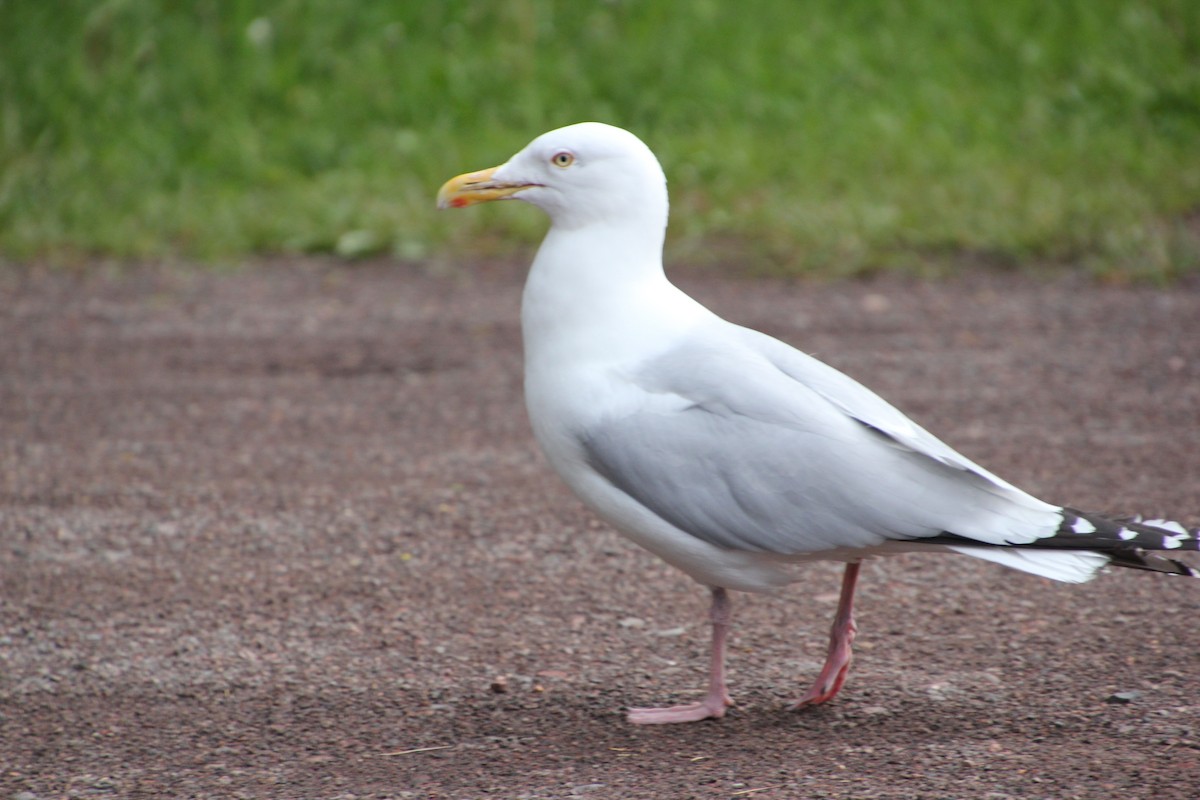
(822, 136)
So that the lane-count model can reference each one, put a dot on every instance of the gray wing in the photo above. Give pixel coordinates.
(860, 402)
(765, 449)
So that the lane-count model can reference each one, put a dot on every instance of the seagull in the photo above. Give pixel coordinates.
(727, 453)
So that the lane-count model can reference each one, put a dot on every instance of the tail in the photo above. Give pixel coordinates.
(1157, 545)
(1083, 543)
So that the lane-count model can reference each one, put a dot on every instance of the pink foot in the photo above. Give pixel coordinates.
(709, 708)
(833, 674)
(837, 662)
(717, 700)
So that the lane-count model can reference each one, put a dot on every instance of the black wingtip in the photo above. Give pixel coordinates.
(1157, 545)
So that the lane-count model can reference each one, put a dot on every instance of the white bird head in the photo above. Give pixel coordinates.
(581, 175)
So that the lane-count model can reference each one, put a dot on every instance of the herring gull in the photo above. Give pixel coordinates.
(726, 452)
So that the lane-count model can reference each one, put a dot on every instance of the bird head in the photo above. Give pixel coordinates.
(579, 175)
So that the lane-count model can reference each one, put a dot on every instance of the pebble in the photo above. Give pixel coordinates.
(584, 788)
(1123, 697)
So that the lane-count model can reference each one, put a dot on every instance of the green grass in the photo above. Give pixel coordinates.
(825, 136)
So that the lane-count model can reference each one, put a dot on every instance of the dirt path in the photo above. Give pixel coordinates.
(285, 534)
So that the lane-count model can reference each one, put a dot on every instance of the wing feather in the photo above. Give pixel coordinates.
(750, 445)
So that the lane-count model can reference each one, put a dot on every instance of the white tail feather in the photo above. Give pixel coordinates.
(1069, 566)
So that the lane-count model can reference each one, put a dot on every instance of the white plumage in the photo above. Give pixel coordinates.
(726, 452)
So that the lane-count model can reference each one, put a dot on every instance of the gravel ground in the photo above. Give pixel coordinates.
(284, 533)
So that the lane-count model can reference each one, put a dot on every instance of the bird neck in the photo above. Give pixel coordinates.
(600, 294)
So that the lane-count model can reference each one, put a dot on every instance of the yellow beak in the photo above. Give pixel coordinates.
(476, 187)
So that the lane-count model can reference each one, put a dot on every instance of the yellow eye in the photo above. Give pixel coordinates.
(562, 160)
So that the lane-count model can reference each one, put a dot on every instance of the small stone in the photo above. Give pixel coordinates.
(584, 788)
(499, 684)
(876, 303)
(632, 622)
(1123, 697)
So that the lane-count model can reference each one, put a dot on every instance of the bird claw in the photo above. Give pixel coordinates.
(827, 685)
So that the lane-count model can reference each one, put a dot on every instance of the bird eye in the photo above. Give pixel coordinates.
(562, 160)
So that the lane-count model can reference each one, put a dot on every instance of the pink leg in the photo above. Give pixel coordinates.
(837, 662)
(714, 703)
